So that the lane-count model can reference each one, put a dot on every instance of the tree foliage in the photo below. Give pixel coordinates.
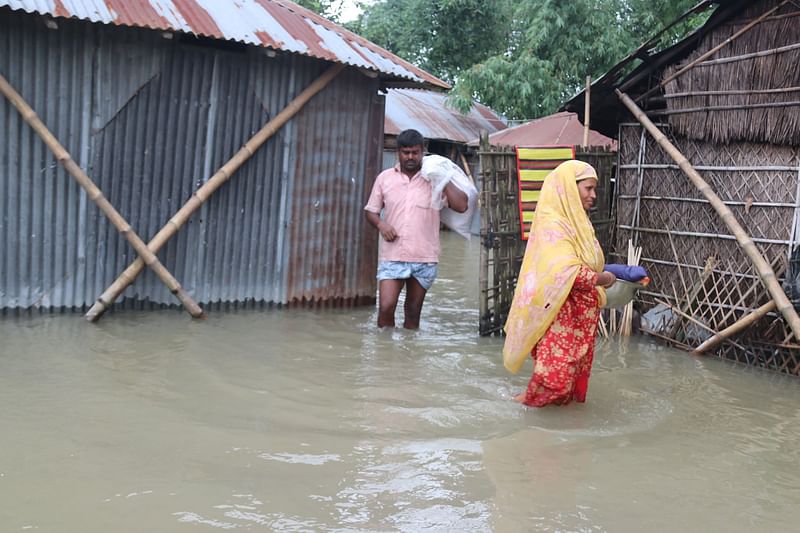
(522, 58)
(443, 37)
(330, 9)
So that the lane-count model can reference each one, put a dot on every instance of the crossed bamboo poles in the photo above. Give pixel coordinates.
(62, 155)
(147, 251)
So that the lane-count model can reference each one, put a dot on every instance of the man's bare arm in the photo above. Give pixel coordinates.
(456, 198)
(386, 230)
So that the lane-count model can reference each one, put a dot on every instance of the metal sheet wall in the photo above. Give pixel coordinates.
(150, 119)
(329, 242)
(43, 253)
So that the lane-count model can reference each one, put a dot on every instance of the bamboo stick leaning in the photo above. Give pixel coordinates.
(622, 326)
(760, 264)
(146, 256)
(105, 300)
(586, 110)
(740, 325)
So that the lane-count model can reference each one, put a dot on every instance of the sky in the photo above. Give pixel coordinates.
(349, 10)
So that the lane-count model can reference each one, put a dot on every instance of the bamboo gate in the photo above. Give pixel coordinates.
(502, 248)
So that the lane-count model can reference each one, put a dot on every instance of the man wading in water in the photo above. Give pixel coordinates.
(409, 230)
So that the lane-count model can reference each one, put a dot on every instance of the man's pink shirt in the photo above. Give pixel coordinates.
(406, 205)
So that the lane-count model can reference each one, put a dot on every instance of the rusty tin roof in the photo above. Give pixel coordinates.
(429, 113)
(559, 128)
(275, 24)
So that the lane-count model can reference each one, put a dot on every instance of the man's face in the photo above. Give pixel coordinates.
(410, 158)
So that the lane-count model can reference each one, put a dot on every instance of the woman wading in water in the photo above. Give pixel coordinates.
(560, 290)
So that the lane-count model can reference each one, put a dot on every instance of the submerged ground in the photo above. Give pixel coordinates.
(296, 420)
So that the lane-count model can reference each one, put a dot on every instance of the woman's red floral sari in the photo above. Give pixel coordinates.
(563, 357)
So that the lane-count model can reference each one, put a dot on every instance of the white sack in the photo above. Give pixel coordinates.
(440, 171)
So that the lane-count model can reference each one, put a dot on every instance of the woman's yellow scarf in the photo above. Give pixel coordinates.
(561, 240)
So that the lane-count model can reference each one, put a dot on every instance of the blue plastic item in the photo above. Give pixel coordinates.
(627, 272)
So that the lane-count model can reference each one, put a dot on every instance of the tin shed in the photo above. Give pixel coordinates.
(151, 98)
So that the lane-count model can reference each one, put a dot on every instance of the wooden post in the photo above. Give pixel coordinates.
(105, 300)
(146, 256)
(763, 269)
(467, 170)
(740, 325)
(586, 109)
(485, 205)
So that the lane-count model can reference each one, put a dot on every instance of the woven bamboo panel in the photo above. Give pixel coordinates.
(604, 162)
(698, 269)
(502, 248)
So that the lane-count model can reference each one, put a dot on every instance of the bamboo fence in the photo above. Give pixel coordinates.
(502, 248)
(714, 295)
(764, 270)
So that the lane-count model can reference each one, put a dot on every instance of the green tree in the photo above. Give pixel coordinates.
(330, 9)
(522, 58)
(555, 45)
(443, 37)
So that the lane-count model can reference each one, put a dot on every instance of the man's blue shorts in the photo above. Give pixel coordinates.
(424, 273)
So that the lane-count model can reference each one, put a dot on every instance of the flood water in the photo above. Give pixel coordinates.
(297, 420)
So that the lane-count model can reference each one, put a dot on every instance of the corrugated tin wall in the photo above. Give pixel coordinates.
(329, 192)
(150, 119)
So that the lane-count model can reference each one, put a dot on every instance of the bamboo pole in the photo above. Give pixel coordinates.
(688, 317)
(704, 201)
(759, 168)
(713, 51)
(734, 92)
(485, 207)
(763, 269)
(105, 300)
(146, 256)
(732, 107)
(760, 53)
(697, 234)
(465, 164)
(665, 338)
(626, 322)
(740, 325)
(586, 108)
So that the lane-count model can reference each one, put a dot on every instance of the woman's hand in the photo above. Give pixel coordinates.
(606, 279)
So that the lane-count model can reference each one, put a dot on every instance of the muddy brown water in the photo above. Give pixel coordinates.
(297, 420)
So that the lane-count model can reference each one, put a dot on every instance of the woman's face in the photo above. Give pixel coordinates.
(587, 188)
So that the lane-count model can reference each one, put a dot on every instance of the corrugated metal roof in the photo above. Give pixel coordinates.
(559, 128)
(428, 113)
(276, 24)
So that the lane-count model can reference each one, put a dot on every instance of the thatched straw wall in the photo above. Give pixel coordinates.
(747, 91)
